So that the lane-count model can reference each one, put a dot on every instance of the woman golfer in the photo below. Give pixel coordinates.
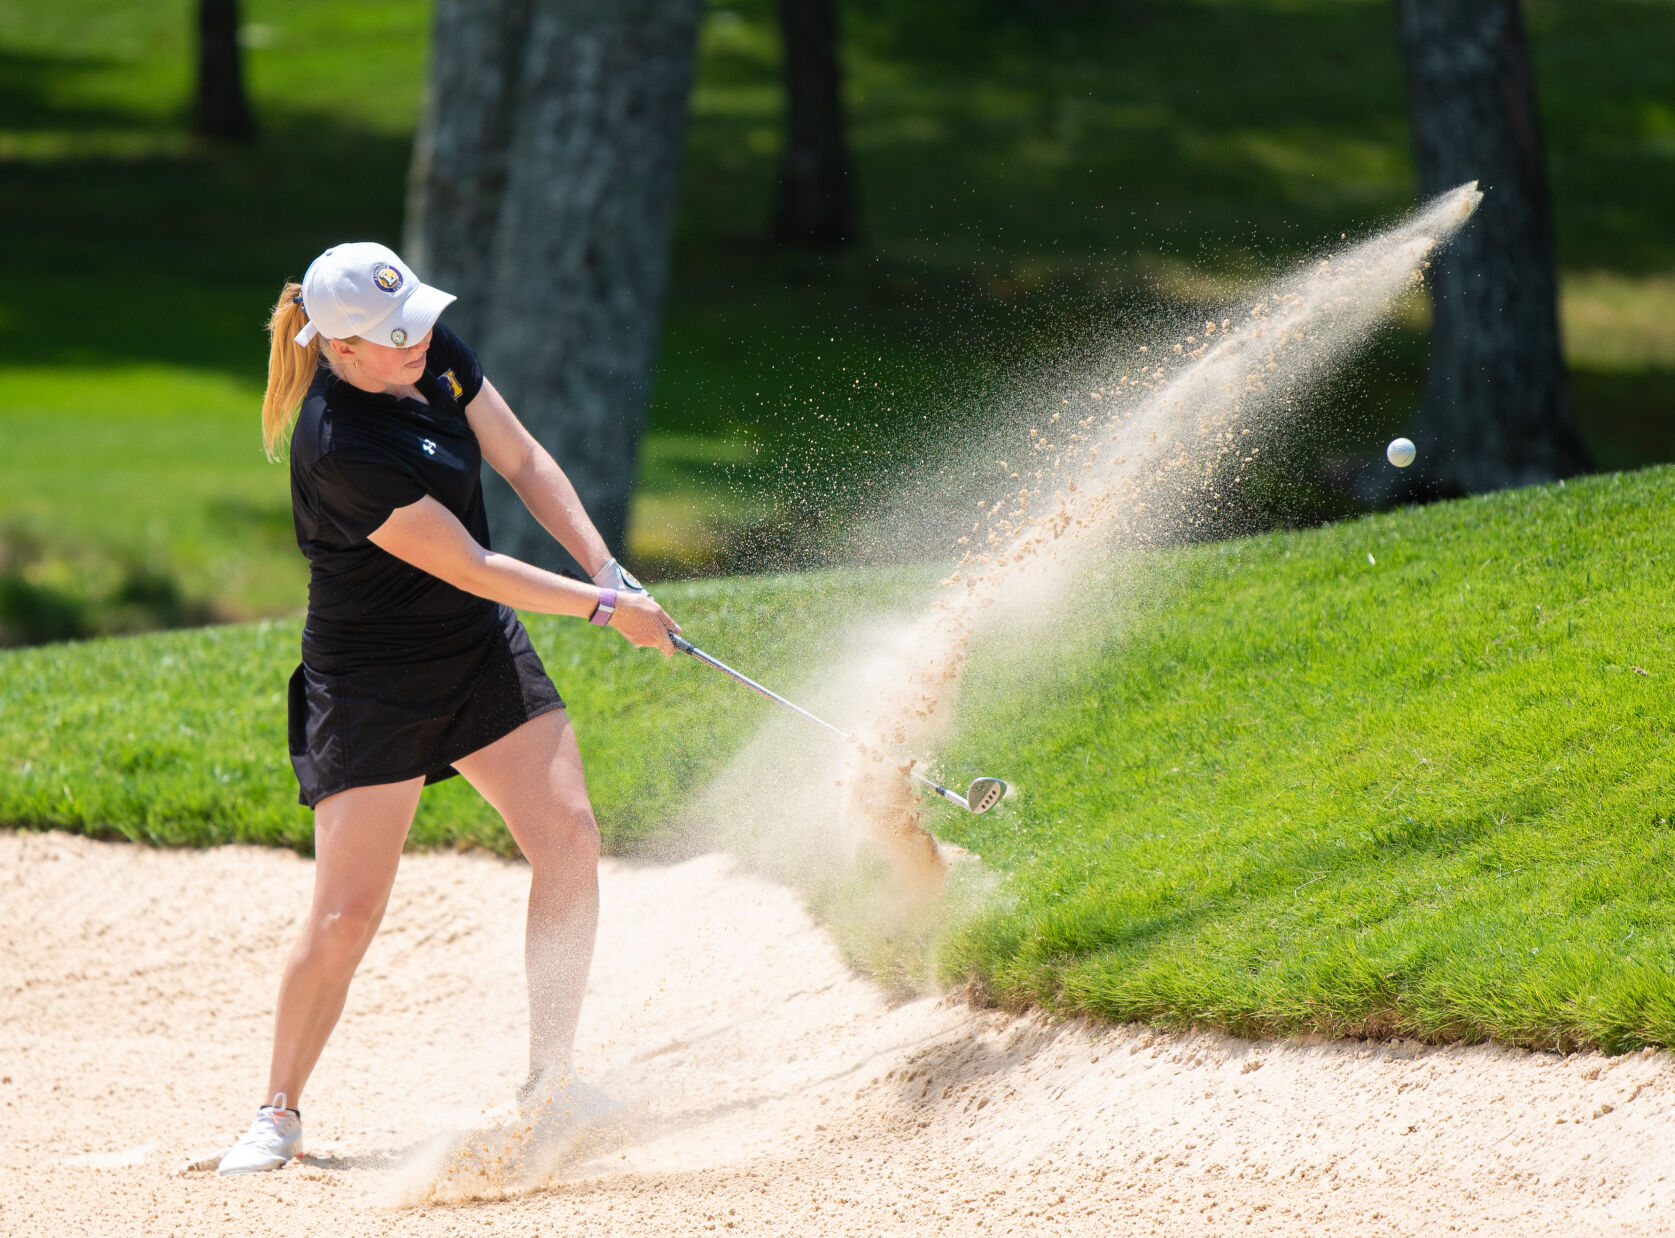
(414, 666)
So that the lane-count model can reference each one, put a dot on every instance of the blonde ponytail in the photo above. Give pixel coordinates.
(291, 368)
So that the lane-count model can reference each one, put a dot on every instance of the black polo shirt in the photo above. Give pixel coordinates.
(355, 458)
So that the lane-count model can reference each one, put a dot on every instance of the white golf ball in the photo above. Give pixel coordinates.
(1401, 452)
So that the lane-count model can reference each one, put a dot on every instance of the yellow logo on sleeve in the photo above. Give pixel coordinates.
(452, 384)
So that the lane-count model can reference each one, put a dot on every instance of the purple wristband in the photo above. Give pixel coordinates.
(607, 607)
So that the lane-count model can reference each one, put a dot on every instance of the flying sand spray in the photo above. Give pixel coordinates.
(1143, 449)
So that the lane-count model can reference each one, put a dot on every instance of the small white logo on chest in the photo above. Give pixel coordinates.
(430, 447)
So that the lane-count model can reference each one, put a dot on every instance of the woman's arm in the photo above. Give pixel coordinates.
(431, 538)
(514, 453)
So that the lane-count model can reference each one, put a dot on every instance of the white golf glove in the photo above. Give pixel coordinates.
(614, 576)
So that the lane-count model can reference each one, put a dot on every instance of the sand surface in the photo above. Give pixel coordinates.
(772, 1091)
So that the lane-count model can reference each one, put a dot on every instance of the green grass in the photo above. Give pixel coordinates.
(1031, 176)
(1425, 792)
(1271, 785)
(141, 467)
(178, 738)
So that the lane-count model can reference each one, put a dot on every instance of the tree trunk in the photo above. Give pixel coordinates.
(816, 203)
(1496, 410)
(460, 154)
(220, 111)
(543, 195)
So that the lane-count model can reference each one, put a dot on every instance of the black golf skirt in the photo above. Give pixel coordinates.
(376, 714)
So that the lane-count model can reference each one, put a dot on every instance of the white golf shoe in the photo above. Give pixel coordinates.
(563, 1117)
(273, 1138)
(557, 1100)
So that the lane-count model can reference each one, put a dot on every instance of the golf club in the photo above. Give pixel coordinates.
(982, 795)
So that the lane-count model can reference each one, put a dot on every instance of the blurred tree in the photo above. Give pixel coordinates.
(542, 194)
(221, 110)
(1496, 409)
(816, 202)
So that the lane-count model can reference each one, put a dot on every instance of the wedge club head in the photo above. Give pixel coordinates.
(984, 793)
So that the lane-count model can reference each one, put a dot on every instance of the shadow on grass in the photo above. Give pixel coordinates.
(1628, 418)
(169, 250)
(1033, 177)
(30, 94)
(55, 593)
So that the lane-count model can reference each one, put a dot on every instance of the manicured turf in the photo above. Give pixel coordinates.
(148, 467)
(178, 738)
(1280, 786)
(1425, 792)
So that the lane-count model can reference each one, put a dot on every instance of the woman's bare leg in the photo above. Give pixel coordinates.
(358, 836)
(533, 778)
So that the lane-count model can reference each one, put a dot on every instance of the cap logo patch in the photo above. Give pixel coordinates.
(398, 337)
(386, 277)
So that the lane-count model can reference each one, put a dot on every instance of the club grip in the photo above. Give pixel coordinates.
(682, 645)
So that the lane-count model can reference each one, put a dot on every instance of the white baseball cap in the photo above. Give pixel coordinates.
(364, 289)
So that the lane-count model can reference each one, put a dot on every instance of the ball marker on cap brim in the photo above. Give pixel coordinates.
(1401, 452)
(364, 289)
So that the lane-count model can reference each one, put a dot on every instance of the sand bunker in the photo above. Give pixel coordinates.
(772, 1092)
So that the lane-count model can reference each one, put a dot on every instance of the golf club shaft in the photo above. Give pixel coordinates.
(952, 796)
(686, 646)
